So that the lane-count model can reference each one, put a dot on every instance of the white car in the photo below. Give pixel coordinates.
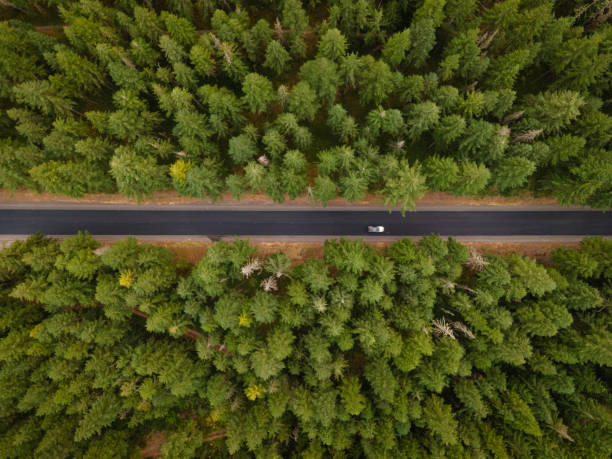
(376, 229)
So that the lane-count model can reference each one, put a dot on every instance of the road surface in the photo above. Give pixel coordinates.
(311, 222)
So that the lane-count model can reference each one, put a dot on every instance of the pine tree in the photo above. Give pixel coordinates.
(422, 117)
(136, 176)
(242, 148)
(274, 142)
(472, 178)
(580, 62)
(423, 39)
(257, 39)
(353, 186)
(202, 59)
(481, 141)
(464, 46)
(449, 129)
(332, 45)
(277, 57)
(396, 48)
(405, 188)
(303, 101)
(294, 18)
(503, 70)
(79, 71)
(44, 96)
(342, 123)
(71, 178)
(441, 173)
(258, 92)
(553, 111)
(322, 75)
(350, 69)
(325, 189)
(376, 81)
(512, 172)
(173, 51)
(179, 28)
(440, 420)
(204, 180)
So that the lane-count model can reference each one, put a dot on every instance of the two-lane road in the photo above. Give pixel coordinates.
(306, 222)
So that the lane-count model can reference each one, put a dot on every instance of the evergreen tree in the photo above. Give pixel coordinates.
(136, 175)
(405, 188)
(422, 117)
(512, 172)
(258, 92)
(139, 77)
(449, 129)
(44, 96)
(277, 57)
(472, 178)
(332, 45)
(510, 353)
(396, 48)
(325, 189)
(552, 111)
(303, 101)
(441, 173)
(322, 75)
(376, 81)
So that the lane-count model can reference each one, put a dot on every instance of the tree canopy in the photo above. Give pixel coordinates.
(421, 349)
(515, 93)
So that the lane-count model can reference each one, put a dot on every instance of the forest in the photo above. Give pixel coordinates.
(423, 349)
(323, 99)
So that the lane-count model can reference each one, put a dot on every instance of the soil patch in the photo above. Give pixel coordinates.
(172, 197)
(153, 444)
(299, 252)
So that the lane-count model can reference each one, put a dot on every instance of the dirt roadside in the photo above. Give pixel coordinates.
(299, 252)
(174, 198)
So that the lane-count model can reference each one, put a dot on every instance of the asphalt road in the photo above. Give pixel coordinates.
(312, 222)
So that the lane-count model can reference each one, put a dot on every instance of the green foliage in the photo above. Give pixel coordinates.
(419, 342)
(554, 110)
(396, 47)
(303, 101)
(512, 172)
(405, 188)
(520, 88)
(258, 92)
(472, 178)
(332, 45)
(440, 420)
(127, 169)
(322, 75)
(242, 148)
(422, 117)
(376, 81)
(325, 189)
(277, 57)
(71, 178)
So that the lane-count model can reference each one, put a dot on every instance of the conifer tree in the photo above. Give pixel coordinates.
(303, 101)
(512, 172)
(472, 178)
(277, 57)
(396, 48)
(405, 188)
(135, 175)
(332, 45)
(258, 92)
(376, 82)
(322, 75)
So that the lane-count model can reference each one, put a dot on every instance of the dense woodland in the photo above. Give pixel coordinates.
(324, 98)
(423, 350)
